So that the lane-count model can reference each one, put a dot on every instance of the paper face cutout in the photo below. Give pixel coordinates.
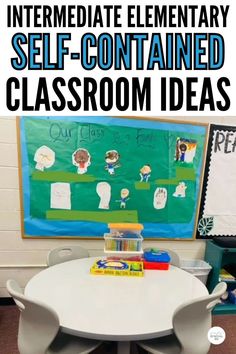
(112, 158)
(60, 196)
(103, 190)
(45, 158)
(160, 198)
(81, 159)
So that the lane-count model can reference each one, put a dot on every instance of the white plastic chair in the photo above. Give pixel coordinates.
(191, 323)
(65, 254)
(39, 328)
(174, 257)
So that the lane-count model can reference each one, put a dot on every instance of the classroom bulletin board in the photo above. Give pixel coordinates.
(217, 216)
(80, 173)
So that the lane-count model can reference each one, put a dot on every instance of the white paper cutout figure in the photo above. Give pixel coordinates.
(180, 190)
(124, 197)
(185, 150)
(81, 159)
(60, 196)
(112, 159)
(145, 173)
(103, 190)
(160, 198)
(45, 158)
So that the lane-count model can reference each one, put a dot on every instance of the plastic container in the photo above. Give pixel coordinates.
(126, 244)
(197, 267)
(124, 239)
(155, 255)
(126, 227)
(156, 265)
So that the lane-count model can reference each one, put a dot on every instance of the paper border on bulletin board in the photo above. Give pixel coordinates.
(217, 216)
(51, 227)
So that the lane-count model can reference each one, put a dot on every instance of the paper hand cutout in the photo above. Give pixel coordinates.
(103, 190)
(60, 196)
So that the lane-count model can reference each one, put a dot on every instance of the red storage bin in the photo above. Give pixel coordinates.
(156, 265)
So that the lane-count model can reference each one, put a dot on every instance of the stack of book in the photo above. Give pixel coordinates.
(225, 276)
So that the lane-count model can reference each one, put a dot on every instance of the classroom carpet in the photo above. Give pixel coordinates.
(9, 316)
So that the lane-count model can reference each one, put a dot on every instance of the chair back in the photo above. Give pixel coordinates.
(65, 254)
(193, 319)
(38, 324)
(174, 257)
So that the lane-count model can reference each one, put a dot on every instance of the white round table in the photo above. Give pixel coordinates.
(114, 308)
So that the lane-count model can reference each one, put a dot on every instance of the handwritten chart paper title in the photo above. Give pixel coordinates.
(102, 57)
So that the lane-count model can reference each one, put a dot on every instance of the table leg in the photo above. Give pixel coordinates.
(123, 347)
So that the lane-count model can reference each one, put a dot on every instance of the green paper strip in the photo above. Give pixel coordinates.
(60, 176)
(98, 216)
(173, 181)
(142, 185)
(183, 173)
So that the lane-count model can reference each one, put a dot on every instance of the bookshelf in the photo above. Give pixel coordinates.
(219, 257)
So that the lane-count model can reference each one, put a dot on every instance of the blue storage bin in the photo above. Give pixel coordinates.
(155, 255)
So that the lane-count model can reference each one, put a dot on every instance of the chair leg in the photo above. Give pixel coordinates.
(109, 347)
(106, 348)
(134, 348)
(139, 350)
(123, 347)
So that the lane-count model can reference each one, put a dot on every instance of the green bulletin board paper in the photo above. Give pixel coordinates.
(162, 181)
